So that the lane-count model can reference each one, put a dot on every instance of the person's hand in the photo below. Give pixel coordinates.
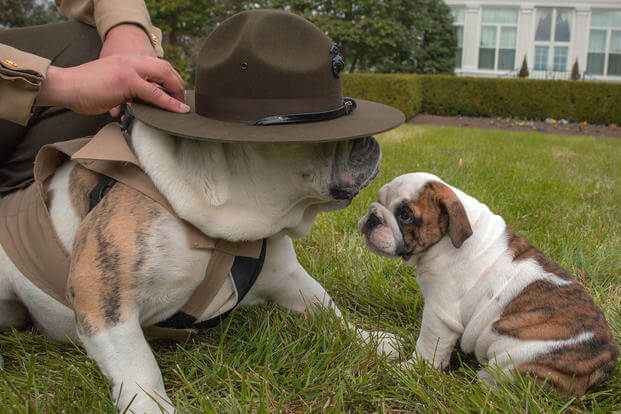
(127, 39)
(98, 86)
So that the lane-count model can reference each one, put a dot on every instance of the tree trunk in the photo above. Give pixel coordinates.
(352, 67)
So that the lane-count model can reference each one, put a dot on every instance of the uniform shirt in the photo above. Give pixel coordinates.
(21, 73)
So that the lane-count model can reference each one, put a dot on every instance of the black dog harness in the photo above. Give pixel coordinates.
(29, 238)
(244, 270)
(244, 273)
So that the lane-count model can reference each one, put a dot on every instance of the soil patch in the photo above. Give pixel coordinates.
(552, 126)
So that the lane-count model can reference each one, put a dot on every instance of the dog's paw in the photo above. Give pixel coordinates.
(146, 404)
(1, 363)
(407, 365)
(386, 344)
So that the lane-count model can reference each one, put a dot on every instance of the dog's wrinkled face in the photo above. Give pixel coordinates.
(413, 213)
(327, 173)
(290, 184)
(244, 191)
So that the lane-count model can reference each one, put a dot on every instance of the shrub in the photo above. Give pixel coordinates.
(595, 102)
(400, 91)
(575, 72)
(524, 69)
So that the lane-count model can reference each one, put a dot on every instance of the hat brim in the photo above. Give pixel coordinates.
(369, 118)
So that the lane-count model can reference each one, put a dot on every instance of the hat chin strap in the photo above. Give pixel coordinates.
(349, 105)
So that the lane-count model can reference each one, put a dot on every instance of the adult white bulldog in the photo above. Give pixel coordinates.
(269, 143)
(510, 304)
(132, 265)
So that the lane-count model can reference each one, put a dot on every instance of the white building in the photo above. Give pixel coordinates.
(494, 36)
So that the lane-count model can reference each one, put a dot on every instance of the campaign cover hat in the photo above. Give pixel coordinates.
(267, 76)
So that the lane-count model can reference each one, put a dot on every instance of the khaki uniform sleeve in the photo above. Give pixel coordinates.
(105, 14)
(21, 76)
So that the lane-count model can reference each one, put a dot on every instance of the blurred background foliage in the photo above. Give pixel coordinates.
(18, 13)
(385, 36)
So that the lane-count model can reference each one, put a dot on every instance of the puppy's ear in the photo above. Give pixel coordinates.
(458, 225)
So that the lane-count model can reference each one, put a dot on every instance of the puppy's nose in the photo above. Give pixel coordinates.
(373, 221)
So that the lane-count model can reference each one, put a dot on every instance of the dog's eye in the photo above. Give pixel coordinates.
(405, 215)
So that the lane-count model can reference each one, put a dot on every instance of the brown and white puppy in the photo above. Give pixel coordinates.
(511, 305)
(131, 262)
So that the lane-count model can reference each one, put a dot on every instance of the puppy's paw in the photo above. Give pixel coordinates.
(486, 378)
(491, 376)
(431, 357)
(419, 362)
(416, 363)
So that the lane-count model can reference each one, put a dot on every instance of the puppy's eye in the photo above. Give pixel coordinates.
(404, 215)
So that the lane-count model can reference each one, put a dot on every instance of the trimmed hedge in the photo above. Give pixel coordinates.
(400, 91)
(594, 102)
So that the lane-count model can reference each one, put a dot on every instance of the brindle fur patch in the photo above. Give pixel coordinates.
(521, 249)
(109, 256)
(437, 212)
(545, 311)
(81, 182)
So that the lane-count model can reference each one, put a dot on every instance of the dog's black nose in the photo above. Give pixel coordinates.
(343, 193)
(373, 221)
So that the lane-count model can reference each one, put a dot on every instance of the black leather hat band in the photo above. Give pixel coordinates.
(248, 110)
(349, 105)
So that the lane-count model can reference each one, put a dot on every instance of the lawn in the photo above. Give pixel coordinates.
(561, 192)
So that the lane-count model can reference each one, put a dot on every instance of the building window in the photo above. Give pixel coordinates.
(604, 57)
(552, 38)
(498, 39)
(541, 57)
(560, 58)
(459, 16)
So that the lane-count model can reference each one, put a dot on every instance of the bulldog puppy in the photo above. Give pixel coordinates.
(510, 304)
(131, 262)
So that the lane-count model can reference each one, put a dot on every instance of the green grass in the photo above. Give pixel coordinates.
(561, 192)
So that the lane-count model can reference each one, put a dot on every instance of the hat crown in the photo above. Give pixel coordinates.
(262, 63)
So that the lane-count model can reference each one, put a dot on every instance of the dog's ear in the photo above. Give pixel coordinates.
(458, 224)
(208, 169)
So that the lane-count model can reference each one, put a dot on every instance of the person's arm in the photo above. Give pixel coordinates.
(27, 80)
(126, 30)
(96, 87)
(21, 77)
(108, 14)
(124, 26)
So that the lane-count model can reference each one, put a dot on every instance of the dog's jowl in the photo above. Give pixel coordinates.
(512, 306)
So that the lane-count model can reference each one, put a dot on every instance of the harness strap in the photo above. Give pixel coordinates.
(244, 271)
(101, 189)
